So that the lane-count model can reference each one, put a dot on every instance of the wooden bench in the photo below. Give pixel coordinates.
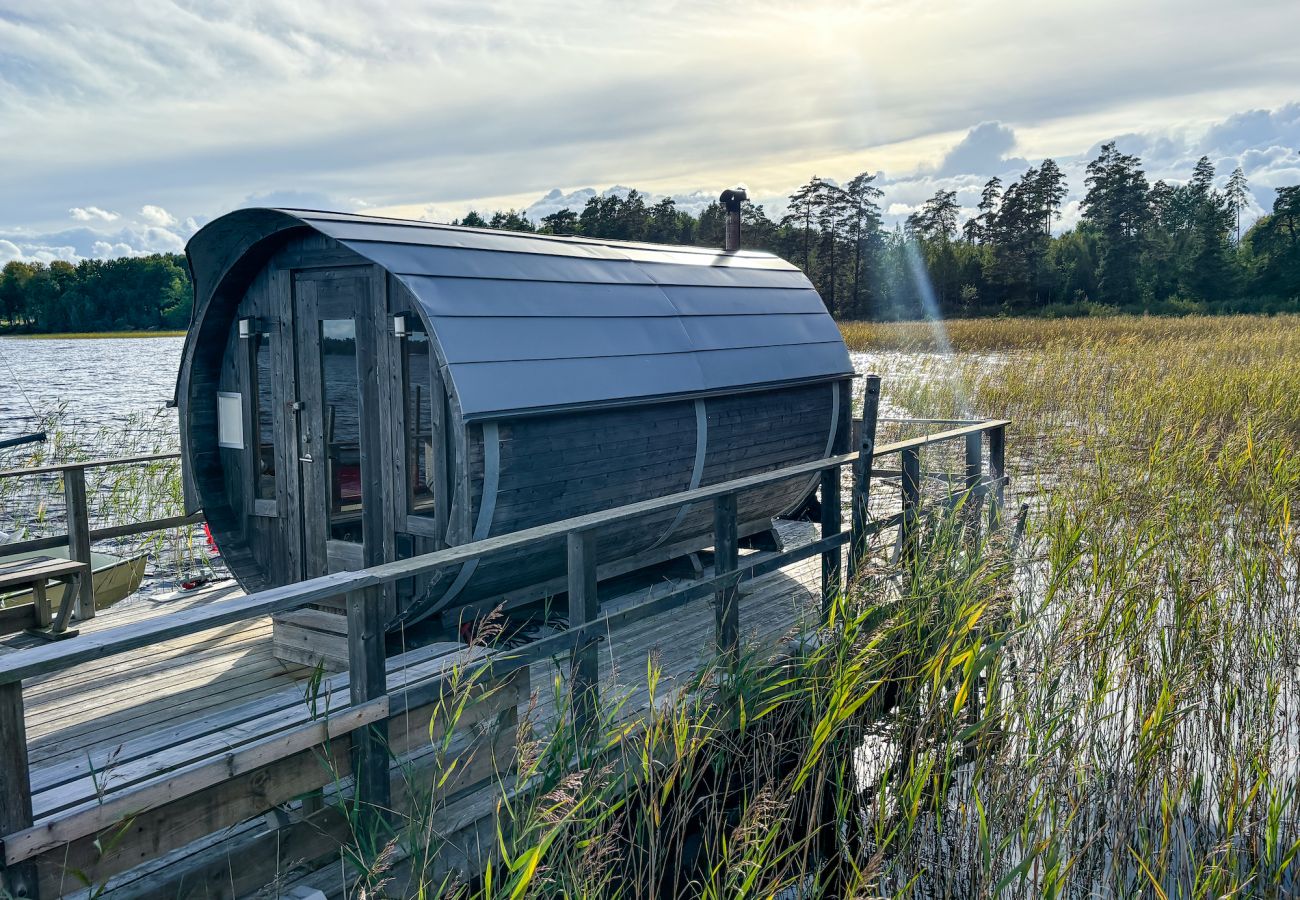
(36, 573)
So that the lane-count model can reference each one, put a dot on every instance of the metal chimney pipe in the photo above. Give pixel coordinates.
(731, 200)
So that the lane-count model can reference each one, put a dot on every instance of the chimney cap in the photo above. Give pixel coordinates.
(734, 196)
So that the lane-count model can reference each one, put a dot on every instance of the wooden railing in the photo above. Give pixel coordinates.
(373, 706)
(79, 535)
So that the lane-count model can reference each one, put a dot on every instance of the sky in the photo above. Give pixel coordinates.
(124, 127)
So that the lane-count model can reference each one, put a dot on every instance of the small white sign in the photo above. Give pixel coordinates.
(230, 420)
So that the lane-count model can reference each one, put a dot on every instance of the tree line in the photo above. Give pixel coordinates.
(1137, 247)
(131, 293)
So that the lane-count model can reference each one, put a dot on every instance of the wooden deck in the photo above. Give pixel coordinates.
(165, 752)
(122, 720)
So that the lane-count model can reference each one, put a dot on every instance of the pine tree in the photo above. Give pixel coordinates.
(1237, 193)
(801, 210)
(863, 216)
(1116, 205)
(1051, 191)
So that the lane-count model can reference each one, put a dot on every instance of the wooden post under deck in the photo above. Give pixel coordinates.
(584, 606)
(974, 468)
(911, 503)
(997, 469)
(74, 492)
(15, 788)
(862, 473)
(726, 558)
(367, 680)
(832, 524)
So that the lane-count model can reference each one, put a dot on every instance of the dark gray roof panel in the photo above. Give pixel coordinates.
(711, 301)
(449, 262)
(536, 385)
(489, 297)
(502, 339)
(346, 226)
(728, 332)
(799, 362)
(531, 322)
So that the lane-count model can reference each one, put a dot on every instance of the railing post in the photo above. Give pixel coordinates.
(911, 502)
(368, 680)
(584, 607)
(15, 788)
(974, 469)
(74, 493)
(726, 559)
(832, 524)
(997, 470)
(862, 473)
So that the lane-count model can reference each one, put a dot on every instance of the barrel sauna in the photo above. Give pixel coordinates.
(356, 389)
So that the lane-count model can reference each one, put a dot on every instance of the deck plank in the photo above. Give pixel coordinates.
(117, 720)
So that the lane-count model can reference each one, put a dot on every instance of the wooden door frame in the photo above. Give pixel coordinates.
(320, 552)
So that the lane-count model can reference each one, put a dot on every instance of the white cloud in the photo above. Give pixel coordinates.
(444, 103)
(92, 214)
(156, 215)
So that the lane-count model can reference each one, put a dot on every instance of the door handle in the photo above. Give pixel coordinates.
(306, 458)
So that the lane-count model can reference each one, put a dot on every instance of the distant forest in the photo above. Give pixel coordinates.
(131, 293)
(1139, 247)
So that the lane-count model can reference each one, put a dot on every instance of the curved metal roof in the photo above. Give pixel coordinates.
(531, 322)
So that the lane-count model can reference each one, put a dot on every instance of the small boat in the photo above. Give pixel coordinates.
(114, 577)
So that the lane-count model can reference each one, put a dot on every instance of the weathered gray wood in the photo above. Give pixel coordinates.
(861, 472)
(997, 472)
(15, 788)
(911, 503)
(280, 304)
(584, 607)
(87, 464)
(974, 466)
(368, 682)
(74, 491)
(26, 615)
(939, 437)
(34, 661)
(726, 554)
(313, 453)
(831, 524)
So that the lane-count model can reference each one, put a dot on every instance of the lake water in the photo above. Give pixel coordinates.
(103, 390)
(95, 387)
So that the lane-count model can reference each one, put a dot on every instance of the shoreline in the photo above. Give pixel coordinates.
(91, 335)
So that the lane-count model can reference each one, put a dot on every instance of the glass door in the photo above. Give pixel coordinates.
(332, 354)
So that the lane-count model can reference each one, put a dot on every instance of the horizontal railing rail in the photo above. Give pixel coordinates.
(586, 624)
(79, 535)
(88, 464)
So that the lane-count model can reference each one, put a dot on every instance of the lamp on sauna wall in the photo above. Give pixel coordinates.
(731, 201)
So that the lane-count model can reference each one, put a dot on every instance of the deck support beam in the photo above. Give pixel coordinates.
(74, 492)
(862, 473)
(367, 680)
(726, 559)
(909, 528)
(584, 607)
(831, 524)
(15, 789)
(974, 500)
(997, 470)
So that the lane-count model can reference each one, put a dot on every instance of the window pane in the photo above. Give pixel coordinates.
(264, 442)
(342, 409)
(419, 424)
